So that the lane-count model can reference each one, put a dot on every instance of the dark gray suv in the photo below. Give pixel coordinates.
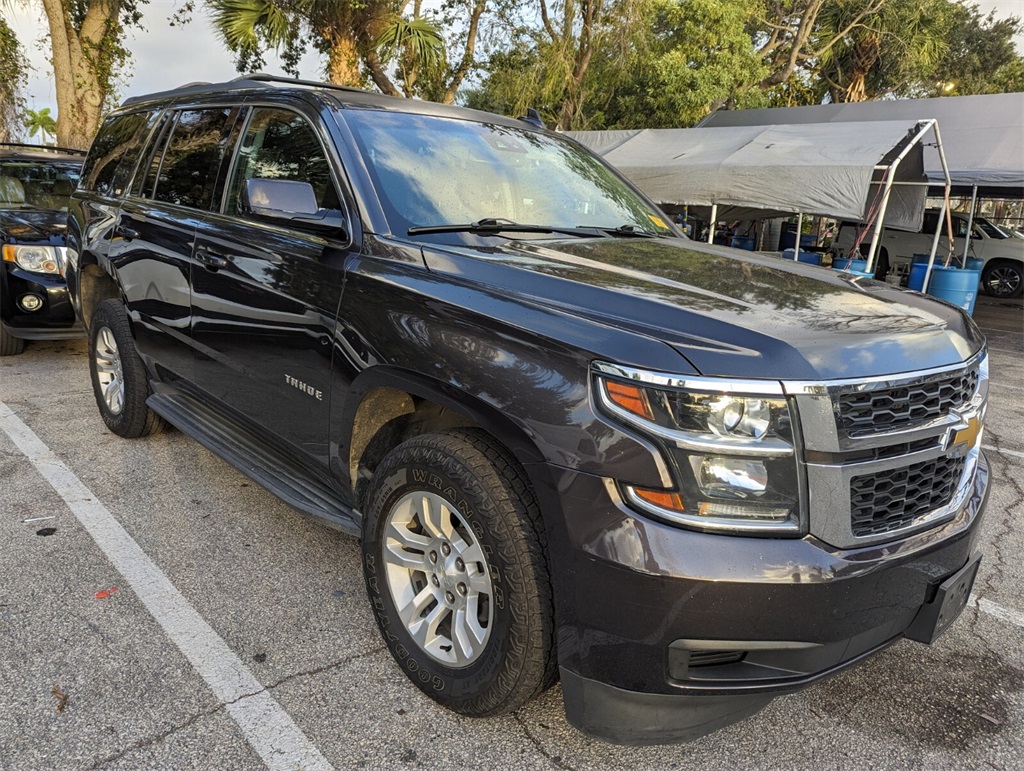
(681, 478)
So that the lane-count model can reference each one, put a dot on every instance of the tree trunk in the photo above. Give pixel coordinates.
(343, 60)
(81, 91)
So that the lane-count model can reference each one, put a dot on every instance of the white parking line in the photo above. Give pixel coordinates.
(1014, 453)
(267, 727)
(997, 611)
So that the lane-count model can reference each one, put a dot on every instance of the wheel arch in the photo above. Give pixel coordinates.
(388, 405)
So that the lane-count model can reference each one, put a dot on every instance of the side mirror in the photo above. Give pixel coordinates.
(289, 203)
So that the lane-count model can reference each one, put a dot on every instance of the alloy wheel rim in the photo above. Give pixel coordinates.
(1003, 282)
(109, 372)
(439, 578)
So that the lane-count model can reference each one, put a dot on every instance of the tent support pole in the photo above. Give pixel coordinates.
(796, 240)
(942, 213)
(970, 223)
(714, 221)
(890, 178)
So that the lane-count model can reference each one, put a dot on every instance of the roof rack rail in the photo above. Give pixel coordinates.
(45, 148)
(263, 77)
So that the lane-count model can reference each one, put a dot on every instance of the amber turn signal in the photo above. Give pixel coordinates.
(661, 498)
(630, 398)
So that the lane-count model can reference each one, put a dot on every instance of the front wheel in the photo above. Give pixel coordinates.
(9, 344)
(119, 378)
(456, 569)
(1003, 278)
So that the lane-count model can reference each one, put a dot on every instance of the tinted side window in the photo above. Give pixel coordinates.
(278, 144)
(188, 172)
(145, 178)
(114, 152)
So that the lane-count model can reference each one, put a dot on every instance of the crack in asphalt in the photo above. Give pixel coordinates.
(159, 737)
(555, 760)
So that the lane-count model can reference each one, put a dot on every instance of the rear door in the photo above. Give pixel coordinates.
(266, 296)
(154, 239)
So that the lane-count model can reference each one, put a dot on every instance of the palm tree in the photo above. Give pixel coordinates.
(880, 52)
(347, 32)
(40, 122)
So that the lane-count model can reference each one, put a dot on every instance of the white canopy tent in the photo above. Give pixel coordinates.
(983, 136)
(871, 171)
(831, 170)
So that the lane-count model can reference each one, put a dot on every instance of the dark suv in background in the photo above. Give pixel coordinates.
(35, 188)
(574, 444)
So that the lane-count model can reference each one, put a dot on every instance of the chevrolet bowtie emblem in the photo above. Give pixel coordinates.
(964, 439)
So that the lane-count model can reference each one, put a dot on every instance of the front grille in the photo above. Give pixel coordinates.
(875, 411)
(892, 499)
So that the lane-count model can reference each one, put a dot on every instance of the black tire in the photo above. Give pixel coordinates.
(1003, 278)
(112, 353)
(491, 495)
(9, 344)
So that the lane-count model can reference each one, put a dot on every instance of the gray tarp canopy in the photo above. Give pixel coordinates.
(823, 169)
(983, 136)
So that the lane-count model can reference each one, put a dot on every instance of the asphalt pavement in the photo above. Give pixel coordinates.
(159, 610)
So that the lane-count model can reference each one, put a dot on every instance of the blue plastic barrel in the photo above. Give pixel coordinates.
(973, 263)
(861, 273)
(845, 263)
(811, 258)
(958, 286)
(917, 271)
(743, 242)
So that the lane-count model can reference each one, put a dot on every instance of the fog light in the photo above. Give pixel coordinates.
(30, 302)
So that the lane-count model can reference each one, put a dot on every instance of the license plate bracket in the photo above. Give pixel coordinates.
(937, 616)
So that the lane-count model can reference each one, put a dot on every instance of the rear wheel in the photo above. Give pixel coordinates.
(119, 378)
(1003, 278)
(456, 569)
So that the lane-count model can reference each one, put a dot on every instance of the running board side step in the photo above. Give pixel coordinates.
(256, 460)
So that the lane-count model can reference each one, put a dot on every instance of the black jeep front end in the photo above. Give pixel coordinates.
(35, 186)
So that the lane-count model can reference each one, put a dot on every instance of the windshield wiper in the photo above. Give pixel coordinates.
(628, 231)
(495, 225)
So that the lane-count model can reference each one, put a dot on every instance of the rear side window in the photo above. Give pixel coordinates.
(279, 144)
(188, 171)
(112, 158)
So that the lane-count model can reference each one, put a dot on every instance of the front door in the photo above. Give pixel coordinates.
(265, 297)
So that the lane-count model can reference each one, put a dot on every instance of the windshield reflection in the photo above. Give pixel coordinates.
(432, 171)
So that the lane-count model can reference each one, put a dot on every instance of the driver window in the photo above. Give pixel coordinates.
(279, 144)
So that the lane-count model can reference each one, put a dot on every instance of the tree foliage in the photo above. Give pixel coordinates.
(13, 76)
(87, 53)
(653, 63)
(397, 46)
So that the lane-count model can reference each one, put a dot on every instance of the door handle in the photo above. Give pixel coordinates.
(211, 260)
(127, 233)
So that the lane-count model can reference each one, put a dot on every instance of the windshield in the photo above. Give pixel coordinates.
(432, 171)
(991, 230)
(37, 185)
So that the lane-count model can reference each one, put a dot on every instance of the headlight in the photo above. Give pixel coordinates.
(731, 444)
(37, 259)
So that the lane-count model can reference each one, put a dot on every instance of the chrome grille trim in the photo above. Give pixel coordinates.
(830, 485)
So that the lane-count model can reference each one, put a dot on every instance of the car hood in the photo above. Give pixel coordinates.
(729, 313)
(33, 224)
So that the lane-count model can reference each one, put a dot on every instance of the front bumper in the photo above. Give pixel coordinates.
(666, 634)
(55, 320)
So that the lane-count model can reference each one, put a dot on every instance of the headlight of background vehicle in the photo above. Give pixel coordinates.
(731, 445)
(37, 259)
